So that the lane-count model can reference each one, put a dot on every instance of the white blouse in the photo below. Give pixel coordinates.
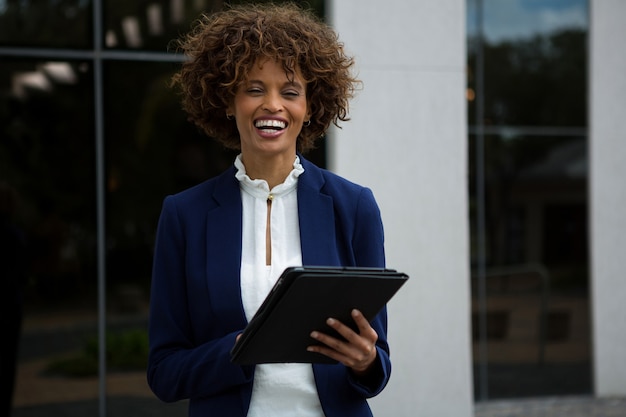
(279, 390)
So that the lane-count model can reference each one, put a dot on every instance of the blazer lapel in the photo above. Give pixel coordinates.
(224, 251)
(317, 219)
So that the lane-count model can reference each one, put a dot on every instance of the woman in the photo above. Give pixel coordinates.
(268, 81)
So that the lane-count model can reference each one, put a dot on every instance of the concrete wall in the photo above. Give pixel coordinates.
(408, 141)
(608, 193)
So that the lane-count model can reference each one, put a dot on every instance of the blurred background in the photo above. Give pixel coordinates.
(92, 139)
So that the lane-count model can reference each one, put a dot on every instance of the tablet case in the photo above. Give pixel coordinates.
(301, 301)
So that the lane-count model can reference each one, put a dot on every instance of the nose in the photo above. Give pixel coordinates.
(273, 102)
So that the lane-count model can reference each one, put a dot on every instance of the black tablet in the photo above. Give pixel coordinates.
(301, 301)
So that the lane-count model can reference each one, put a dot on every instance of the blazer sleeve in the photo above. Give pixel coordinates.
(368, 240)
(368, 246)
(179, 367)
(361, 224)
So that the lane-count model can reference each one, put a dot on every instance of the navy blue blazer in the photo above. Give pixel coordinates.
(196, 310)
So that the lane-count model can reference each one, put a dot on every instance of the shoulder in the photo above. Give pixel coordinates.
(345, 193)
(329, 182)
(204, 195)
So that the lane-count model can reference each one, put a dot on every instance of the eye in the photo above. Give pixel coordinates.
(254, 91)
(291, 93)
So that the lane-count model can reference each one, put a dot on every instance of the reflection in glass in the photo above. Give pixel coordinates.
(537, 310)
(58, 24)
(47, 157)
(535, 72)
(151, 151)
(527, 104)
(524, 177)
(511, 20)
(153, 26)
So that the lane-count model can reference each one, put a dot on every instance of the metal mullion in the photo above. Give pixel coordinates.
(141, 56)
(46, 53)
(528, 130)
(100, 55)
(100, 204)
(483, 354)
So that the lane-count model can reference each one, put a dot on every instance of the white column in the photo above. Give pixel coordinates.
(408, 142)
(607, 137)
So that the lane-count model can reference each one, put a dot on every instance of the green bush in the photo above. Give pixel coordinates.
(125, 351)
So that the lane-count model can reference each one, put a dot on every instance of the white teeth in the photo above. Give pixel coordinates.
(270, 123)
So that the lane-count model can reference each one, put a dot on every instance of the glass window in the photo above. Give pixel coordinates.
(149, 25)
(527, 101)
(47, 172)
(152, 26)
(151, 151)
(532, 81)
(54, 24)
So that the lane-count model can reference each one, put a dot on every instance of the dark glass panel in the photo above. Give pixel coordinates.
(537, 306)
(540, 81)
(535, 321)
(151, 151)
(153, 25)
(535, 70)
(58, 24)
(47, 159)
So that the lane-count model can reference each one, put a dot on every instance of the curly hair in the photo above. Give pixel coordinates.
(222, 48)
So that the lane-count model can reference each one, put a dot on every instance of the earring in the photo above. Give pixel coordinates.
(230, 116)
(307, 123)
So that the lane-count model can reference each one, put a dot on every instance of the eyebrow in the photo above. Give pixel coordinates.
(293, 83)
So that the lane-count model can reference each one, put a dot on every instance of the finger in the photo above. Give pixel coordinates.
(362, 341)
(333, 348)
(360, 349)
(359, 318)
(365, 328)
(354, 348)
(345, 331)
(330, 341)
(362, 323)
(356, 356)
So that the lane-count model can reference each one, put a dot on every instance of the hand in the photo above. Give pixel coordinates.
(357, 352)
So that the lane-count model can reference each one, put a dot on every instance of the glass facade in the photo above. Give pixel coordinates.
(46, 160)
(64, 24)
(91, 140)
(527, 103)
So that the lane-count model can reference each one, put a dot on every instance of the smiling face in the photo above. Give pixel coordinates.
(270, 108)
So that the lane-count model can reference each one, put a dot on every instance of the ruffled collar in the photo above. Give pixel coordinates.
(260, 189)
